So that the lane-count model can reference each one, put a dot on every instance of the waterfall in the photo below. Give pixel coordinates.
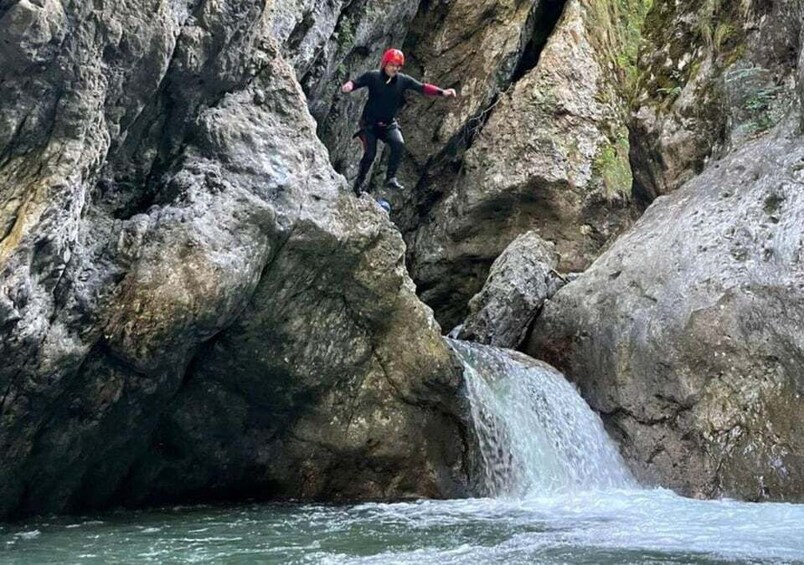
(534, 434)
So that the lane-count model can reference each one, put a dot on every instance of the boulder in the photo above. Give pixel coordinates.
(192, 303)
(519, 282)
(687, 334)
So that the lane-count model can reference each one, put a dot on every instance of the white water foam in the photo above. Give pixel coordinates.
(535, 434)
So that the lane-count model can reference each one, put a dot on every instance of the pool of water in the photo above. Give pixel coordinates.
(614, 526)
(558, 490)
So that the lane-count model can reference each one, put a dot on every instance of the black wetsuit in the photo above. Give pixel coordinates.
(378, 120)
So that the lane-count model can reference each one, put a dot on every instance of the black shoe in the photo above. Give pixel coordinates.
(393, 183)
(357, 187)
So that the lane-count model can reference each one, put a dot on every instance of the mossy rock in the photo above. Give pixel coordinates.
(613, 169)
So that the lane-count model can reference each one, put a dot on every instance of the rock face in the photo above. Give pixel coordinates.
(713, 75)
(552, 157)
(363, 30)
(475, 47)
(687, 334)
(519, 282)
(191, 303)
(333, 384)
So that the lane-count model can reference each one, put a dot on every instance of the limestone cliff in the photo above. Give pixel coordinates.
(192, 303)
(686, 334)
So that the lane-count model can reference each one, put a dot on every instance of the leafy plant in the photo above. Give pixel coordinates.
(722, 33)
(673, 92)
(346, 34)
(759, 105)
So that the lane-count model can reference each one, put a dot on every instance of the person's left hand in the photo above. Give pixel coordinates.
(450, 93)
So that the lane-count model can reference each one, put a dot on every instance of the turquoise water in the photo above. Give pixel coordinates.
(558, 492)
(630, 526)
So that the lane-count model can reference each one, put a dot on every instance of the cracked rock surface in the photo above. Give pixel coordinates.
(714, 75)
(549, 154)
(687, 334)
(192, 305)
(520, 280)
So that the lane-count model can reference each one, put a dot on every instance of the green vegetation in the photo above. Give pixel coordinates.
(672, 92)
(759, 106)
(346, 34)
(613, 168)
(341, 73)
(617, 32)
(346, 40)
(631, 15)
(719, 24)
(762, 102)
(683, 27)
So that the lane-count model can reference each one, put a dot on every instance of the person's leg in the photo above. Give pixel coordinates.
(393, 137)
(369, 141)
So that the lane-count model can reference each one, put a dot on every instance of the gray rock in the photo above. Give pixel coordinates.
(303, 28)
(475, 47)
(519, 282)
(311, 393)
(552, 157)
(193, 304)
(800, 81)
(687, 334)
(712, 77)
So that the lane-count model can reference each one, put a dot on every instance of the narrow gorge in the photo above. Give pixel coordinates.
(196, 308)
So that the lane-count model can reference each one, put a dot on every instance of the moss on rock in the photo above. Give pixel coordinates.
(613, 169)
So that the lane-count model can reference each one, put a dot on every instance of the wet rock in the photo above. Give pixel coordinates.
(519, 282)
(686, 334)
(193, 304)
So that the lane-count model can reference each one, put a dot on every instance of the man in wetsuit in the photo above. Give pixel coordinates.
(387, 87)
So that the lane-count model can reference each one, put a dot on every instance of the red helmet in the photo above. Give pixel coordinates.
(392, 56)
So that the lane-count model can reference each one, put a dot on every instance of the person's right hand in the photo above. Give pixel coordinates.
(348, 87)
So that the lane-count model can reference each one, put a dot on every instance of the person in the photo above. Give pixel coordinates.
(387, 87)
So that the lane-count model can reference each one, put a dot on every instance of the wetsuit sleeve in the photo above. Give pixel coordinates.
(423, 88)
(432, 90)
(361, 81)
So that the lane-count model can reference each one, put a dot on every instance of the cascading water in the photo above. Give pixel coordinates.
(534, 433)
(554, 487)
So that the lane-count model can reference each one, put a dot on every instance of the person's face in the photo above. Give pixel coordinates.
(391, 69)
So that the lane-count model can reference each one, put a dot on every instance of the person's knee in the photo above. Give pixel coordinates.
(369, 154)
(397, 145)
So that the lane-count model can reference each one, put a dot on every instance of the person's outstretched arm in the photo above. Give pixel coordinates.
(359, 82)
(429, 89)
